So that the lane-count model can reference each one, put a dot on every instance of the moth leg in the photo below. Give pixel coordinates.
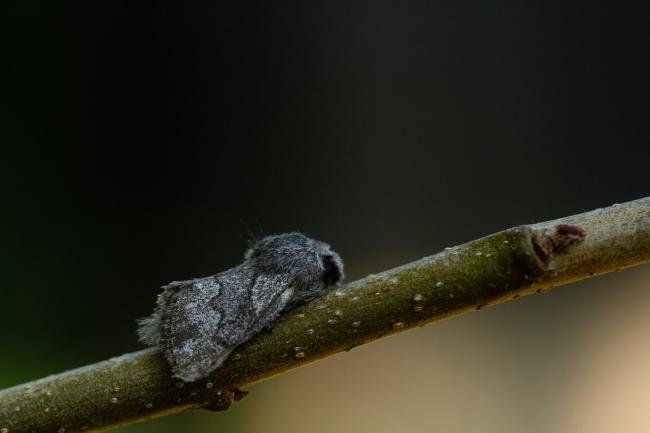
(224, 399)
(271, 321)
(239, 394)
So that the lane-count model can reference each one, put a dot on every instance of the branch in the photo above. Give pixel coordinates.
(497, 268)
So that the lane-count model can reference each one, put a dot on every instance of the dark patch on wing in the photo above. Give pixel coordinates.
(189, 332)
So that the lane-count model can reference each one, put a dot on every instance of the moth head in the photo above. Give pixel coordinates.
(294, 253)
(331, 264)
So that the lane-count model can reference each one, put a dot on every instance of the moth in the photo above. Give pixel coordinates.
(197, 323)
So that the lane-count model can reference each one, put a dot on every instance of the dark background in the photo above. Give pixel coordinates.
(146, 142)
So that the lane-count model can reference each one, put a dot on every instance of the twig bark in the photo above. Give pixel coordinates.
(500, 267)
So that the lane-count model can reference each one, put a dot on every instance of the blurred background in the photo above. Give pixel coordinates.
(144, 142)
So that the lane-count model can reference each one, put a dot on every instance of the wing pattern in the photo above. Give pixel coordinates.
(205, 319)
